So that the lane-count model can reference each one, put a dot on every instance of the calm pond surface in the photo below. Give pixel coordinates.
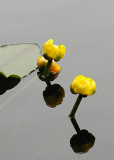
(31, 130)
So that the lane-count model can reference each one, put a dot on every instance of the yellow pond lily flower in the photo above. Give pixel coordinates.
(52, 51)
(83, 85)
(42, 62)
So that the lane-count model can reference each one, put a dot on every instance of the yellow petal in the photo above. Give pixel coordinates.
(53, 51)
(54, 67)
(42, 62)
(83, 85)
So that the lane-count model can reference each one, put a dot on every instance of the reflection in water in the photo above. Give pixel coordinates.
(53, 94)
(50, 77)
(82, 141)
(7, 83)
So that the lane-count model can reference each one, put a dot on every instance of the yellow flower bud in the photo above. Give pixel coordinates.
(83, 85)
(52, 51)
(42, 62)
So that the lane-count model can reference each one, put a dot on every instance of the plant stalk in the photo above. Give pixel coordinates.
(46, 71)
(75, 107)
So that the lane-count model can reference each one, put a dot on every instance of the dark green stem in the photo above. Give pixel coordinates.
(46, 71)
(47, 82)
(75, 107)
(75, 124)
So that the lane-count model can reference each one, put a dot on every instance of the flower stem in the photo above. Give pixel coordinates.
(46, 71)
(75, 107)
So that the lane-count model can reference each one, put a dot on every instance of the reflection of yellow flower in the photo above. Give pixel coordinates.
(53, 95)
(42, 62)
(55, 52)
(83, 85)
(82, 142)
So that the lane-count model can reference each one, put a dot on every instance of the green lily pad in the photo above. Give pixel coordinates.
(18, 60)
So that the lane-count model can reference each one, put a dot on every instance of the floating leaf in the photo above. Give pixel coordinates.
(18, 60)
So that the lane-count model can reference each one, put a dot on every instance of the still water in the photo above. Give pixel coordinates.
(31, 130)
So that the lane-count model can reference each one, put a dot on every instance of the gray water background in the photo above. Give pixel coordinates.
(29, 130)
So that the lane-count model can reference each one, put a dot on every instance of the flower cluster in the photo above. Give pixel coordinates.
(49, 71)
(51, 54)
(47, 64)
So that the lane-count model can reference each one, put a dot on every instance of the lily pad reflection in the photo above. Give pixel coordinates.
(7, 83)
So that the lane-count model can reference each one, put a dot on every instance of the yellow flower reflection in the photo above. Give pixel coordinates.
(52, 51)
(82, 142)
(42, 62)
(53, 95)
(83, 85)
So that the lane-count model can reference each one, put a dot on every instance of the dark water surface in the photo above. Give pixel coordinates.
(29, 129)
